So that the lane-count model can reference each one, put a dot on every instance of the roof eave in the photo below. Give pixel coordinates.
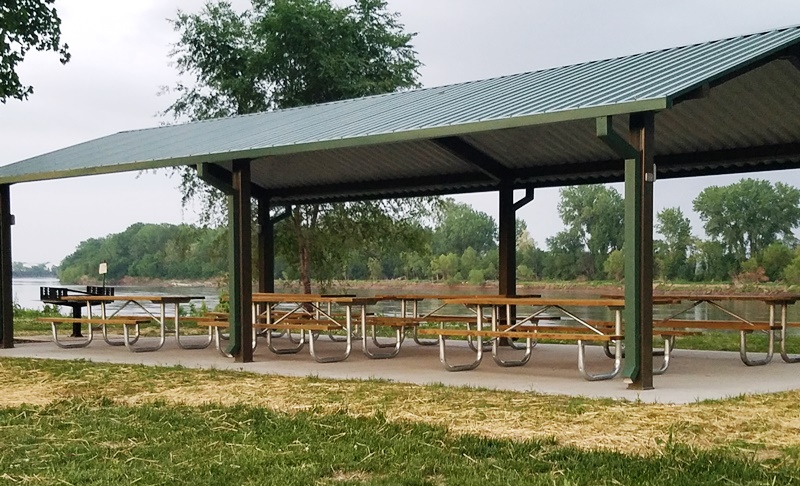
(591, 112)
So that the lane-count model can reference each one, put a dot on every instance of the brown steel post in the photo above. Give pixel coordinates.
(507, 242)
(507, 246)
(242, 266)
(642, 137)
(6, 294)
(266, 248)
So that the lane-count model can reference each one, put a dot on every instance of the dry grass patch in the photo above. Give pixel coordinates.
(767, 424)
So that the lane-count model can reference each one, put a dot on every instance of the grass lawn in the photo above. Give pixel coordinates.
(76, 422)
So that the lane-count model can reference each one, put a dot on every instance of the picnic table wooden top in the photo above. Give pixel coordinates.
(312, 299)
(788, 298)
(165, 299)
(535, 301)
(447, 296)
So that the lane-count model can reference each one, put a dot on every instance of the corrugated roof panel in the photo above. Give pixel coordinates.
(544, 145)
(739, 113)
(359, 164)
(348, 136)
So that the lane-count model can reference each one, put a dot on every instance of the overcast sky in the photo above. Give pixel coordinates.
(119, 62)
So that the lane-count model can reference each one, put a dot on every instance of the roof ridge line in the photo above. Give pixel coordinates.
(468, 82)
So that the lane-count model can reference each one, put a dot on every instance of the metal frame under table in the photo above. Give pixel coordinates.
(773, 302)
(137, 301)
(315, 306)
(542, 305)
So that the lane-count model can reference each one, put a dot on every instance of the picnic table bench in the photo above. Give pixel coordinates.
(137, 302)
(90, 321)
(774, 302)
(521, 328)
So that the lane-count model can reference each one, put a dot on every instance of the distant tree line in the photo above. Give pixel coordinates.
(157, 251)
(750, 227)
(41, 270)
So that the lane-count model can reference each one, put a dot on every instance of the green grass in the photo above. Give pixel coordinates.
(88, 442)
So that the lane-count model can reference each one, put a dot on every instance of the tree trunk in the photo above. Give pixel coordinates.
(305, 276)
(304, 244)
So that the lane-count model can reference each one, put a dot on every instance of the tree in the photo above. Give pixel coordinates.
(791, 274)
(774, 259)
(713, 263)
(672, 251)
(594, 214)
(614, 265)
(288, 53)
(747, 216)
(26, 25)
(461, 227)
(566, 252)
(160, 251)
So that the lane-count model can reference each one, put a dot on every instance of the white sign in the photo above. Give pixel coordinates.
(103, 268)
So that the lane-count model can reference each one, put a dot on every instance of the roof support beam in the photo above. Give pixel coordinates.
(639, 179)
(525, 200)
(266, 243)
(639, 156)
(240, 263)
(700, 92)
(6, 294)
(222, 179)
(474, 156)
(266, 248)
(216, 176)
(795, 60)
(507, 265)
(395, 186)
(730, 156)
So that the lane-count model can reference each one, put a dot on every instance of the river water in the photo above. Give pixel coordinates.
(26, 294)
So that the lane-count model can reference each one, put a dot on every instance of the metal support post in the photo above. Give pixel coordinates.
(507, 242)
(6, 294)
(240, 262)
(266, 248)
(639, 178)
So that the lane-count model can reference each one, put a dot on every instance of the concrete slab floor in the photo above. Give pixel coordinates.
(692, 376)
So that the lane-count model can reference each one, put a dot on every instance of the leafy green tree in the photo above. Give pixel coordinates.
(470, 260)
(289, 53)
(791, 273)
(594, 214)
(150, 251)
(774, 259)
(19, 269)
(614, 265)
(375, 268)
(416, 265)
(747, 216)
(476, 277)
(672, 252)
(713, 262)
(566, 250)
(26, 25)
(489, 265)
(529, 257)
(445, 267)
(461, 227)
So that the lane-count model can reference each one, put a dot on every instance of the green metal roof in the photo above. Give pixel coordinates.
(538, 125)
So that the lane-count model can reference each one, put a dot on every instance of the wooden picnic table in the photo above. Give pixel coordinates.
(409, 308)
(138, 301)
(311, 313)
(775, 303)
(522, 328)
